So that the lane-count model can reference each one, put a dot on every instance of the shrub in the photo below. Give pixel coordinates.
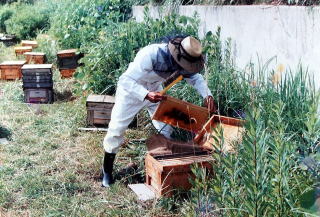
(5, 14)
(264, 176)
(80, 22)
(27, 20)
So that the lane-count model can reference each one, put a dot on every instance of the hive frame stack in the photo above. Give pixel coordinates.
(68, 62)
(37, 83)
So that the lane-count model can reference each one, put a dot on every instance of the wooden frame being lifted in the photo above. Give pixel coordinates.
(181, 114)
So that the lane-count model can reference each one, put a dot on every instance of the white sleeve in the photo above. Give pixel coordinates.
(198, 82)
(137, 70)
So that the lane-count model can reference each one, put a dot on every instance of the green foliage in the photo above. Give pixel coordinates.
(118, 44)
(5, 14)
(263, 177)
(27, 20)
(80, 22)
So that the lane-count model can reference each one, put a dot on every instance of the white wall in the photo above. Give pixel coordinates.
(291, 33)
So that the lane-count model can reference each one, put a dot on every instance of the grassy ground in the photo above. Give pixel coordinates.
(49, 168)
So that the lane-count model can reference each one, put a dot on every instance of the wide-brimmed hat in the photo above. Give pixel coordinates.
(187, 52)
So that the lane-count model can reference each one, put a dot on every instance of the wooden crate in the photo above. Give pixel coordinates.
(35, 57)
(230, 128)
(38, 95)
(67, 73)
(22, 50)
(33, 44)
(181, 114)
(68, 59)
(167, 173)
(11, 70)
(67, 53)
(99, 109)
(37, 76)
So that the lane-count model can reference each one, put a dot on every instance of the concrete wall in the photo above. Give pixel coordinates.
(292, 34)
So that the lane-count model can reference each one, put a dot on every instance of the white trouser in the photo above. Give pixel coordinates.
(125, 108)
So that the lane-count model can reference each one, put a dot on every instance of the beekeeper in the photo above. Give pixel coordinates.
(139, 88)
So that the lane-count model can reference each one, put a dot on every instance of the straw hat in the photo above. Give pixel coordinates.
(187, 52)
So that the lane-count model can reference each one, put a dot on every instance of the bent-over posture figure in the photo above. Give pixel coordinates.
(139, 88)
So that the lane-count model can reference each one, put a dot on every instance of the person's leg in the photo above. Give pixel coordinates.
(163, 128)
(123, 112)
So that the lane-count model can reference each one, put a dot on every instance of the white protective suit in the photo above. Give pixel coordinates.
(150, 68)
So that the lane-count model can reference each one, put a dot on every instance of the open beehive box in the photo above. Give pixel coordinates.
(168, 163)
(221, 133)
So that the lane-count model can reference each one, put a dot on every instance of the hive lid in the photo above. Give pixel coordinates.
(23, 48)
(181, 114)
(15, 62)
(35, 53)
(37, 66)
(101, 98)
(69, 51)
(29, 42)
(231, 128)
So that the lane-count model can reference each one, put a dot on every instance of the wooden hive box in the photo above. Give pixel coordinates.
(38, 95)
(33, 44)
(67, 73)
(68, 59)
(35, 57)
(230, 128)
(22, 50)
(11, 70)
(37, 76)
(167, 173)
(99, 109)
(168, 163)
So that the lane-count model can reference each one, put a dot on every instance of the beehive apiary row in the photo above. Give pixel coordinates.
(36, 75)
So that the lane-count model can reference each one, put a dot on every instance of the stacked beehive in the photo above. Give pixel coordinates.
(68, 62)
(37, 83)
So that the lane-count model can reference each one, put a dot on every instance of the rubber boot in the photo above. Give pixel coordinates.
(108, 160)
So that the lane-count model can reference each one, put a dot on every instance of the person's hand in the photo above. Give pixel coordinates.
(210, 104)
(155, 97)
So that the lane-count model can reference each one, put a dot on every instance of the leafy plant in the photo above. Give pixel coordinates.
(27, 20)
(5, 14)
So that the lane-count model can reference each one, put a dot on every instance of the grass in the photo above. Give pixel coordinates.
(49, 168)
